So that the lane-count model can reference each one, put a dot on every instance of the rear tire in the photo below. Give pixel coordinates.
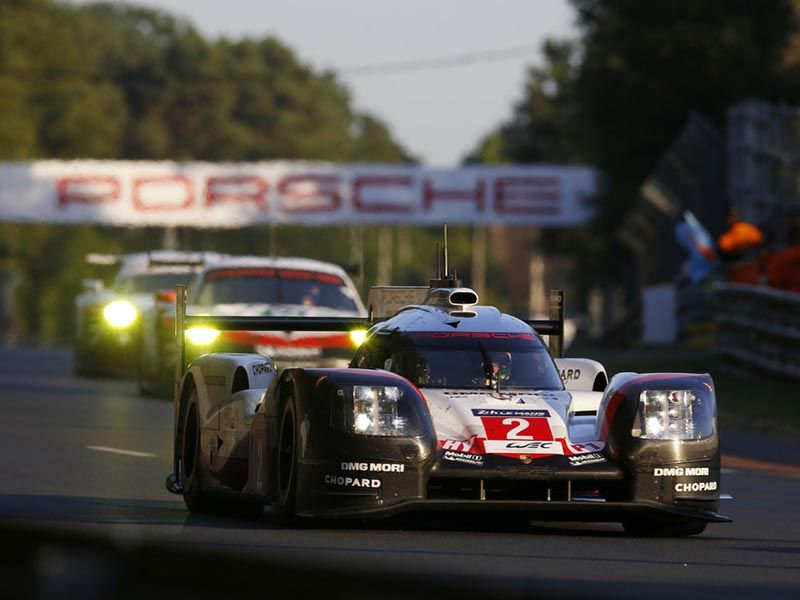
(191, 458)
(675, 527)
(195, 498)
(283, 508)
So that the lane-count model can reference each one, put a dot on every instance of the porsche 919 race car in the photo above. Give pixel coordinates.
(447, 405)
(254, 286)
(108, 321)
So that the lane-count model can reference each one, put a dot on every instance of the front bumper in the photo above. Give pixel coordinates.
(547, 489)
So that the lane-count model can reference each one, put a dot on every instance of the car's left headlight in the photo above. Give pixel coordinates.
(120, 314)
(674, 415)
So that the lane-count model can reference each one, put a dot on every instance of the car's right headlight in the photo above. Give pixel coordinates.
(202, 336)
(674, 415)
(381, 410)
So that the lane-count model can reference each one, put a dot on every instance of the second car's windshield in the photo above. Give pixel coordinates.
(274, 286)
(145, 283)
(470, 361)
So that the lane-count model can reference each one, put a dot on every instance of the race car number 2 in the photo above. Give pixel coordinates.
(517, 428)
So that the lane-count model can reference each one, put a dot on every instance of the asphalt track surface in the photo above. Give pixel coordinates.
(86, 460)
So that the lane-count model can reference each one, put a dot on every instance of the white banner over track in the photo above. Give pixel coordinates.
(198, 194)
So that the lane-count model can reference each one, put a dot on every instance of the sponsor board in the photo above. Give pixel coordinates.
(467, 458)
(204, 194)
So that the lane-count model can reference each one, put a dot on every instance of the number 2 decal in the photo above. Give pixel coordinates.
(516, 432)
(517, 429)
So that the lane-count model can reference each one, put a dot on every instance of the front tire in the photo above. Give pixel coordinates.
(283, 508)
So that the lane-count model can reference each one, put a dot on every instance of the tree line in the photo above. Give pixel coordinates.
(617, 94)
(107, 81)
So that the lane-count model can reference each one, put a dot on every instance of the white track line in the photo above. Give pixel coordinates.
(120, 451)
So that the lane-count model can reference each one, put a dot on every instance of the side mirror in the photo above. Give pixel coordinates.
(92, 285)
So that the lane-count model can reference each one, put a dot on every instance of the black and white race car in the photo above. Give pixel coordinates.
(446, 405)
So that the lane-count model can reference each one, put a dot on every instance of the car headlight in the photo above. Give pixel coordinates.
(380, 410)
(674, 415)
(202, 336)
(357, 336)
(119, 314)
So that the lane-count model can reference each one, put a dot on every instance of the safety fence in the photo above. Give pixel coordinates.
(758, 328)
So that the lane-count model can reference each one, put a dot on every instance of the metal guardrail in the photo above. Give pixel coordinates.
(758, 328)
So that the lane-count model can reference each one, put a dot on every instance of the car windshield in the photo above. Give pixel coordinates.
(475, 360)
(145, 283)
(275, 286)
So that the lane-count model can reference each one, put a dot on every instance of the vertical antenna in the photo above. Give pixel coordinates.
(446, 266)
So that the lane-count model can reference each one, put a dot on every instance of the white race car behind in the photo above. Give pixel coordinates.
(255, 286)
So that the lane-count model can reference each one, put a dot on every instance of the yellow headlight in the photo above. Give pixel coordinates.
(202, 336)
(357, 336)
(119, 314)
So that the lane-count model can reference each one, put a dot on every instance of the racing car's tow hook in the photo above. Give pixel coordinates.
(173, 484)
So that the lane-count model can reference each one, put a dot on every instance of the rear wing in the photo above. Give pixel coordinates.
(552, 327)
(236, 323)
(189, 261)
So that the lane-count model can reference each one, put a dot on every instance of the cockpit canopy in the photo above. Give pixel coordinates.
(479, 360)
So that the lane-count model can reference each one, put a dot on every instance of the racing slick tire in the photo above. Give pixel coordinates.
(675, 527)
(194, 497)
(283, 508)
(191, 472)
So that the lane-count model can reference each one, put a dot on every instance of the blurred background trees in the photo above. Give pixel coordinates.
(112, 82)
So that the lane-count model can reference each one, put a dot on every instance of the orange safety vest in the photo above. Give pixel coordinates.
(740, 237)
(738, 247)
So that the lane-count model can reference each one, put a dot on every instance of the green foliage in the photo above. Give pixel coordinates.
(109, 81)
(616, 97)
(646, 65)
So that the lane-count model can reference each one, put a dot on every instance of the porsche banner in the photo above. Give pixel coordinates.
(197, 194)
